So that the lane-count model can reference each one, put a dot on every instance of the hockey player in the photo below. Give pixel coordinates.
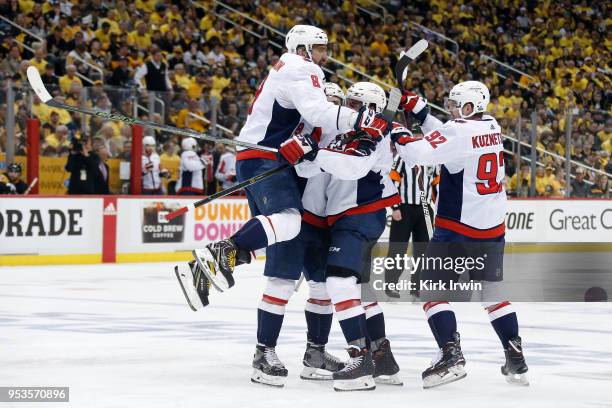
(226, 170)
(355, 192)
(304, 254)
(471, 209)
(11, 183)
(190, 181)
(151, 172)
(291, 94)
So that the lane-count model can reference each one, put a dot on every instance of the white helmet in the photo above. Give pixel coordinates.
(305, 35)
(332, 89)
(148, 141)
(189, 143)
(367, 93)
(473, 92)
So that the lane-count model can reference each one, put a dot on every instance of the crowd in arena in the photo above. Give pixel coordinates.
(204, 71)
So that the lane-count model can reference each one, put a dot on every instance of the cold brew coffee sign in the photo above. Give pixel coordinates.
(155, 227)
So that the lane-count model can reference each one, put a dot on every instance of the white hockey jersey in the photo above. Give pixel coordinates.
(471, 198)
(341, 183)
(226, 170)
(190, 177)
(291, 93)
(150, 172)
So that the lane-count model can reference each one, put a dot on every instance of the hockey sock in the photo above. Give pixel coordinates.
(319, 313)
(271, 310)
(345, 295)
(252, 235)
(441, 320)
(504, 321)
(319, 316)
(351, 317)
(375, 321)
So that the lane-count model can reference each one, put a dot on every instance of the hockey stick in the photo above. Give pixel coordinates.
(227, 191)
(37, 85)
(401, 71)
(31, 186)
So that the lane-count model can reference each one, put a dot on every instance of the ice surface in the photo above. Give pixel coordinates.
(122, 336)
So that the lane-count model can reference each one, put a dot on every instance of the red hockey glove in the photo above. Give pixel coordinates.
(412, 102)
(401, 135)
(294, 148)
(370, 122)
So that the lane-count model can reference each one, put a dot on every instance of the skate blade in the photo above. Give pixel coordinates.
(260, 377)
(435, 380)
(185, 279)
(517, 379)
(365, 383)
(315, 374)
(389, 380)
(208, 265)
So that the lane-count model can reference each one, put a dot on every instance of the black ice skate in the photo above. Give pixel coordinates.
(448, 367)
(385, 367)
(357, 374)
(515, 368)
(218, 261)
(194, 284)
(267, 368)
(319, 364)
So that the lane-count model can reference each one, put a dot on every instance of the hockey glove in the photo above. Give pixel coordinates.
(401, 135)
(415, 105)
(294, 148)
(370, 122)
(360, 146)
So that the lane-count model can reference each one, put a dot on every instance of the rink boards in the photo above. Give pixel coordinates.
(64, 229)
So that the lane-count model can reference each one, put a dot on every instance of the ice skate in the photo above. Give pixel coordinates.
(267, 367)
(448, 367)
(385, 367)
(218, 260)
(194, 284)
(319, 364)
(515, 368)
(357, 374)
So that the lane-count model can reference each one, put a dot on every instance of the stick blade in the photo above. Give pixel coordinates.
(417, 49)
(37, 84)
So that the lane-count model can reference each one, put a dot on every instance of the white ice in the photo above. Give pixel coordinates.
(123, 336)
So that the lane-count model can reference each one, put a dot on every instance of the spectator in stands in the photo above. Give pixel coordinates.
(59, 138)
(67, 80)
(580, 188)
(520, 182)
(154, 72)
(101, 175)
(10, 65)
(550, 183)
(601, 187)
(49, 78)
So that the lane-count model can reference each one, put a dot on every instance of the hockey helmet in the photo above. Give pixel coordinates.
(368, 93)
(148, 141)
(473, 92)
(332, 89)
(189, 143)
(305, 35)
(14, 168)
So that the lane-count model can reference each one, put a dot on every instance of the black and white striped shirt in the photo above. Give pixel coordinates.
(408, 183)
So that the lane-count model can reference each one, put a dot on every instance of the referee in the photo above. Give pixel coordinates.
(408, 218)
